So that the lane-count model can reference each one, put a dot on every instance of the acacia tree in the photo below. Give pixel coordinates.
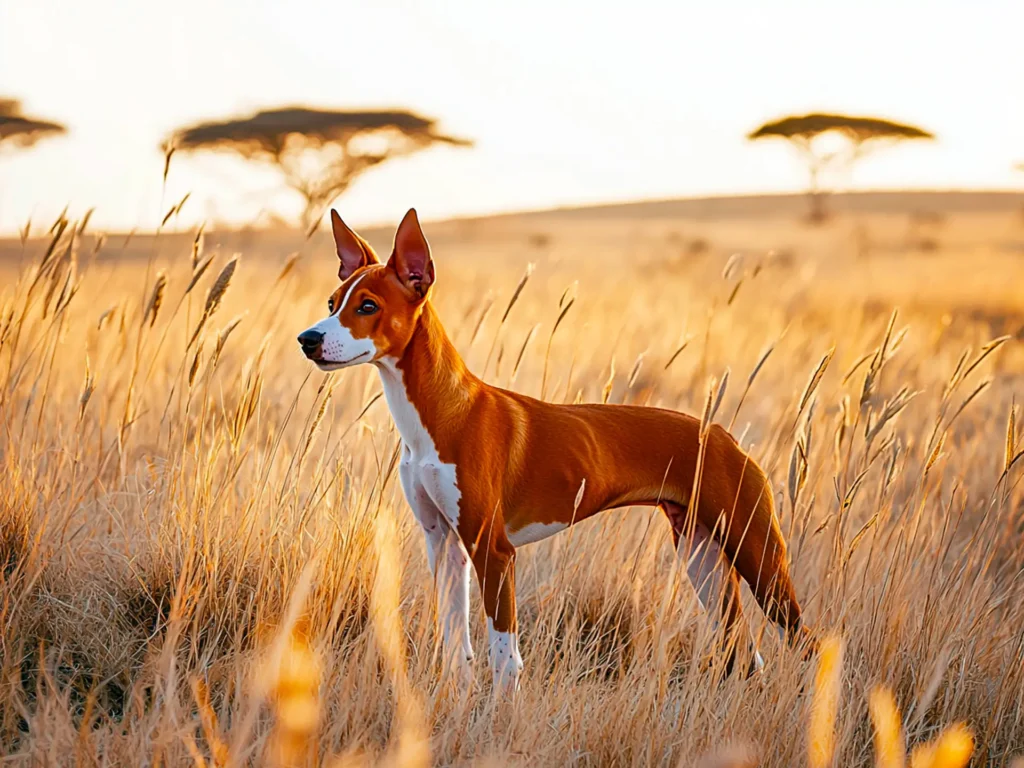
(318, 152)
(861, 134)
(20, 131)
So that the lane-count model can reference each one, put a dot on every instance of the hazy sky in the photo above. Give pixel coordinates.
(569, 102)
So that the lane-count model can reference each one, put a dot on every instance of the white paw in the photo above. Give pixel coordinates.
(506, 676)
(460, 673)
(506, 662)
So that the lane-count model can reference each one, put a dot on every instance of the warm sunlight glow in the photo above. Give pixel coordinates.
(567, 103)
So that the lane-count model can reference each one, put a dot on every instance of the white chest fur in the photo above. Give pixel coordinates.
(421, 459)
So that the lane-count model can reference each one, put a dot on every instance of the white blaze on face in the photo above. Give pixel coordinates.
(506, 663)
(340, 348)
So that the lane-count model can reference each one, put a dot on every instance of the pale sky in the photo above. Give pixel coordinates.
(569, 102)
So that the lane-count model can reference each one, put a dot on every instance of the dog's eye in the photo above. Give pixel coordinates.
(330, 305)
(368, 307)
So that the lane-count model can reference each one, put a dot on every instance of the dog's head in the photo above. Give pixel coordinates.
(373, 313)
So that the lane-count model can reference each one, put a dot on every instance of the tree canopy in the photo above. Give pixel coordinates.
(19, 130)
(856, 129)
(319, 152)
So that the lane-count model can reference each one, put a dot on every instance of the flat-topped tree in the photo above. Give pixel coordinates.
(861, 134)
(19, 131)
(319, 152)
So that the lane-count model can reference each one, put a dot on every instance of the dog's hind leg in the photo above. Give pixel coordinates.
(716, 582)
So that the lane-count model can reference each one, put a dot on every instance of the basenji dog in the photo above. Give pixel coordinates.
(487, 470)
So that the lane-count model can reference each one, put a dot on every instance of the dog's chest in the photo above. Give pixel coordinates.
(423, 472)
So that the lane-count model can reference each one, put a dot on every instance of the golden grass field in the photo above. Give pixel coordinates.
(207, 560)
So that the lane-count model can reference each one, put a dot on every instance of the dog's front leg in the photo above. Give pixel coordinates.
(449, 563)
(494, 559)
(449, 568)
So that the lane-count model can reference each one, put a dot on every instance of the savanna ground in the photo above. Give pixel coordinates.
(206, 558)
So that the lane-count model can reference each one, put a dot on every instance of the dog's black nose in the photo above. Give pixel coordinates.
(310, 341)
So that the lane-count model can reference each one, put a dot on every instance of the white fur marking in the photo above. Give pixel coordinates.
(436, 477)
(506, 663)
(532, 532)
(339, 348)
(348, 294)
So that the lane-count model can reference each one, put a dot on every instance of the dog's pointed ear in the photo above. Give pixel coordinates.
(411, 256)
(353, 251)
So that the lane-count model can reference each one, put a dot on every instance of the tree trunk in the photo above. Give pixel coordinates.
(816, 196)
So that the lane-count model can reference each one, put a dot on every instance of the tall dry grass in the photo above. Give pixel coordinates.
(206, 558)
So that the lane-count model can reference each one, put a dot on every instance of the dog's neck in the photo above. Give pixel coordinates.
(429, 389)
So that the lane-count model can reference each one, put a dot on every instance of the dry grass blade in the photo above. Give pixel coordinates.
(315, 425)
(856, 366)
(825, 704)
(951, 749)
(812, 383)
(890, 411)
(709, 398)
(197, 273)
(634, 372)
(606, 390)
(885, 716)
(855, 542)
(1011, 437)
(797, 476)
(84, 222)
(519, 289)
(194, 368)
(734, 292)
(197, 246)
(731, 264)
(676, 354)
(967, 401)
(208, 720)
(569, 293)
(719, 395)
(547, 353)
(522, 350)
(220, 287)
(480, 319)
(275, 664)
(987, 350)
(760, 364)
(169, 150)
(88, 387)
(156, 300)
(222, 337)
(924, 701)
(935, 454)
(289, 265)
(750, 382)
(295, 700)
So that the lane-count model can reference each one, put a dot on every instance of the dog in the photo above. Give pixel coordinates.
(500, 470)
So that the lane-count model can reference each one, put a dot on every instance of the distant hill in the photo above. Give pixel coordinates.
(757, 206)
(757, 211)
